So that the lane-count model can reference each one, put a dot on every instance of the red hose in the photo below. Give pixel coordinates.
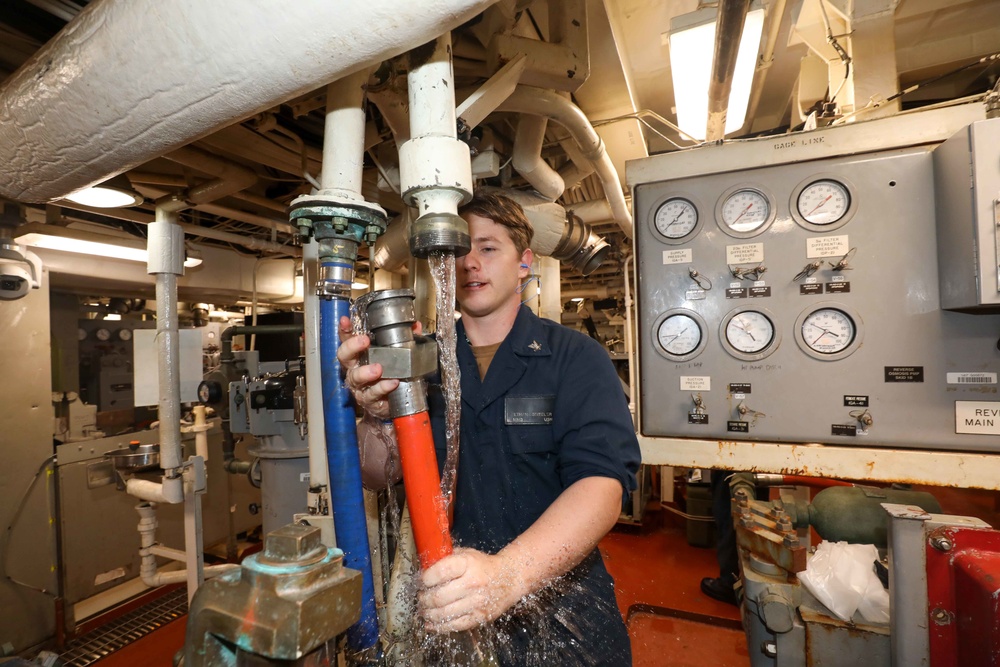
(423, 488)
(813, 481)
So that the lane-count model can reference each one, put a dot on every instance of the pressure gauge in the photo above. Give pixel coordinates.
(744, 211)
(680, 334)
(750, 331)
(828, 331)
(823, 202)
(81, 334)
(103, 335)
(125, 335)
(676, 218)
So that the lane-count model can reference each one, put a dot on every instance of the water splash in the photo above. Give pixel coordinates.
(442, 266)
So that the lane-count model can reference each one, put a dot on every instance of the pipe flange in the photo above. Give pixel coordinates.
(439, 232)
(324, 217)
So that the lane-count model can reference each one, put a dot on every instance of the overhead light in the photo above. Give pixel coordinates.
(116, 192)
(692, 50)
(65, 239)
(357, 284)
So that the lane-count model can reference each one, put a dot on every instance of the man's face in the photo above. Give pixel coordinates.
(489, 275)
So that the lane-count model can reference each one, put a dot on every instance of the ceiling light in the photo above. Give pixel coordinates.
(692, 50)
(357, 284)
(113, 193)
(65, 239)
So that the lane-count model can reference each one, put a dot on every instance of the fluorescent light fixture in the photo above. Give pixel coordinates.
(577, 299)
(357, 284)
(112, 317)
(64, 239)
(692, 50)
(114, 193)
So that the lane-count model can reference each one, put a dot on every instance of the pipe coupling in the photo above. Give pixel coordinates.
(329, 217)
(335, 280)
(439, 232)
(581, 246)
(409, 398)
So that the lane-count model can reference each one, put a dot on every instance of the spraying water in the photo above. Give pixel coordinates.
(443, 272)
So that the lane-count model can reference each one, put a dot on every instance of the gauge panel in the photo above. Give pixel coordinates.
(822, 203)
(745, 211)
(680, 334)
(676, 219)
(828, 331)
(749, 334)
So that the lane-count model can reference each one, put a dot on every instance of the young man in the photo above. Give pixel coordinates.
(548, 454)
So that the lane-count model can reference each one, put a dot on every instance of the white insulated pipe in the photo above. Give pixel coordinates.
(319, 472)
(149, 549)
(526, 157)
(435, 167)
(200, 432)
(344, 137)
(540, 102)
(67, 122)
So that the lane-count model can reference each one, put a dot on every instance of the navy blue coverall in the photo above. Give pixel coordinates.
(550, 412)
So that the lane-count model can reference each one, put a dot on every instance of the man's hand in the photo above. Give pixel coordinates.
(467, 589)
(365, 382)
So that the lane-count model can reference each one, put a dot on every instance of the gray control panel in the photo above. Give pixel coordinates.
(800, 303)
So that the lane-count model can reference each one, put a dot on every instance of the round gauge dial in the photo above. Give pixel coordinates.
(676, 218)
(679, 335)
(823, 202)
(103, 335)
(750, 331)
(746, 210)
(828, 330)
(81, 334)
(125, 334)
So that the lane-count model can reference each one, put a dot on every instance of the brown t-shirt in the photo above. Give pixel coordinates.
(484, 355)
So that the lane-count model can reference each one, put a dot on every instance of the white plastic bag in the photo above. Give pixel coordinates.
(841, 576)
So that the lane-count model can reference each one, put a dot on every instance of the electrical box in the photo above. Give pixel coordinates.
(967, 188)
(798, 301)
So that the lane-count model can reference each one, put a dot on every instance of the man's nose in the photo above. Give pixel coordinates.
(467, 262)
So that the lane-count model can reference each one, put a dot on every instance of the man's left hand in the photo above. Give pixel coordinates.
(467, 589)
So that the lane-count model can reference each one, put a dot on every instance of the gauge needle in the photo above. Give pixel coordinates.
(743, 327)
(676, 336)
(820, 205)
(749, 206)
(674, 221)
(825, 332)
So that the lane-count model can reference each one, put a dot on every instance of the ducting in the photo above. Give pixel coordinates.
(68, 119)
(526, 157)
(526, 99)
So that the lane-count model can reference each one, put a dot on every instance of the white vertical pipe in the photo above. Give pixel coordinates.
(200, 432)
(319, 474)
(194, 544)
(344, 137)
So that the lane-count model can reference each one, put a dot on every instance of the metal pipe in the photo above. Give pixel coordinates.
(48, 105)
(728, 30)
(776, 12)
(526, 99)
(319, 473)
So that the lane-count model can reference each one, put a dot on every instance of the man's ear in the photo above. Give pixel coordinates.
(527, 257)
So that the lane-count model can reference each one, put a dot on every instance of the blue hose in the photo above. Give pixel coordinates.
(346, 494)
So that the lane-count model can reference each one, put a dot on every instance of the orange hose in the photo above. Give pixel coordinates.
(423, 488)
(814, 481)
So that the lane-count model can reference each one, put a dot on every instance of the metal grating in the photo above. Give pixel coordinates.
(105, 640)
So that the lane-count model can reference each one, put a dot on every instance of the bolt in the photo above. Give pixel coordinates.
(292, 543)
(254, 509)
(942, 543)
(941, 616)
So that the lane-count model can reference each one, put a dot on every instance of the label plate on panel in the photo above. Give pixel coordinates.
(747, 253)
(738, 427)
(843, 429)
(697, 419)
(680, 256)
(855, 401)
(971, 378)
(904, 373)
(827, 246)
(696, 383)
(977, 417)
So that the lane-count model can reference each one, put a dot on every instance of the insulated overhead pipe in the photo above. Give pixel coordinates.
(66, 122)
(728, 30)
(409, 358)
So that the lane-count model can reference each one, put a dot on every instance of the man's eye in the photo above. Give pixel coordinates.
(488, 249)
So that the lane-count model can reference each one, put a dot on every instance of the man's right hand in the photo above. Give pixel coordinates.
(364, 382)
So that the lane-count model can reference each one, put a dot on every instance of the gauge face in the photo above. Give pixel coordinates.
(750, 331)
(81, 334)
(828, 331)
(125, 334)
(745, 210)
(103, 334)
(676, 218)
(823, 202)
(679, 335)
